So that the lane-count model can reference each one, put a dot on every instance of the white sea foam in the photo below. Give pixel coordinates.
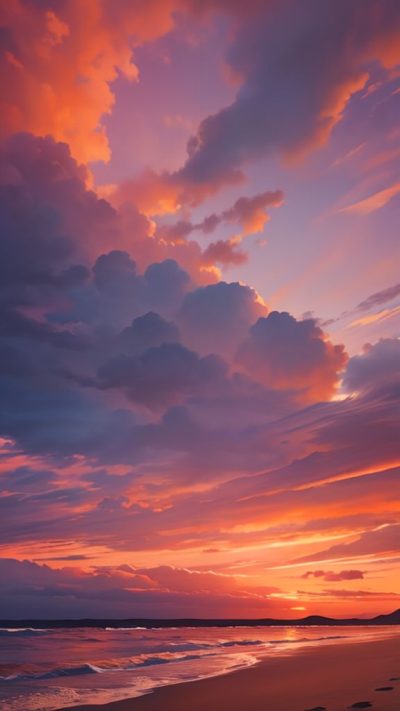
(23, 632)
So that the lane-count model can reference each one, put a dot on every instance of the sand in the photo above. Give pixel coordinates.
(334, 678)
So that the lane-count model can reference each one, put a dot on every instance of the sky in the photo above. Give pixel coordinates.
(200, 308)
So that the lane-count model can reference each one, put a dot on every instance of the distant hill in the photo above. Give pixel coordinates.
(392, 619)
(312, 620)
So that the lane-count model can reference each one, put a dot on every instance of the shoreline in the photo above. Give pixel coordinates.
(332, 678)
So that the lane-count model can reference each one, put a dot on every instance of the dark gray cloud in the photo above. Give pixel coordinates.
(147, 331)
(47, 218)
(327, 55)
(124, 590)
(377, 367)
(217, 316)
(379, 298)
(163, 375)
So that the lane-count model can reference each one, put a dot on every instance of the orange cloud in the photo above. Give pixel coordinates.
(59, 66)
(224, 252)
(163, 194)
(373, 202)
(330, 114)
(373, 318)
(153, 194)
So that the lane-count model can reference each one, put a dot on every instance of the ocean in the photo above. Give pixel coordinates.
(46, 669)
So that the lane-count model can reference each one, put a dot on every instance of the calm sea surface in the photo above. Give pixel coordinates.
(43, 670)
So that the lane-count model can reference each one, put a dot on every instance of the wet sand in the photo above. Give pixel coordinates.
(332, 678)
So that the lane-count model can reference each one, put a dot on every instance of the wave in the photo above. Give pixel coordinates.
(127, 629)
(172, 652)
(23, 632)
(54, 673)
(101, 668)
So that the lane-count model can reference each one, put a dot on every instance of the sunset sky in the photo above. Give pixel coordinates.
(200, 308)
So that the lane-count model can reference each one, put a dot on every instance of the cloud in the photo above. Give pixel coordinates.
(163, 375)
(373, 202)
(168, 416)
(69, 68)
(24, 479)
(379, 298)
(291, 354)
(125, 291)
(382, 315)
(43, 183)
(224, 252)
(377, 367)
(48, 215)
(354, 594)
(326, 57)
(125, 591)
(219, 314)
(149, 410)
(330, 576)
(250, 213)
(147, 331)
(383, 541)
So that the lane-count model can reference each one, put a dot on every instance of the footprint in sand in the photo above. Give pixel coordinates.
(384, 688)
(361, 705)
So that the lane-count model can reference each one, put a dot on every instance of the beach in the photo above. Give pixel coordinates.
(332, 678)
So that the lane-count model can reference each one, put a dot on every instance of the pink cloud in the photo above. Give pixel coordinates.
(331, 576)
(286, 353)
(224, 252)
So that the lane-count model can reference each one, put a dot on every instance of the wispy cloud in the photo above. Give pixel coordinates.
(373, 202)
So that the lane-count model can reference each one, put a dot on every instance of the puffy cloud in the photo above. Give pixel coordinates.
(231, 425)
(49, 220)
(124, 590)
(251, 213)
(124, 429)
(147, 331)
(35, 246)
(59, 418)
(154, 194)
(286, 353)
(119, 291)
(224, 252)
(163, 375)
(167, 282)
(219, 314)
(378, 366)
(54, 226)
(68, 67)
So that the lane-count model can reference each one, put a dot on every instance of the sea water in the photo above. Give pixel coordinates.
(46, 669)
